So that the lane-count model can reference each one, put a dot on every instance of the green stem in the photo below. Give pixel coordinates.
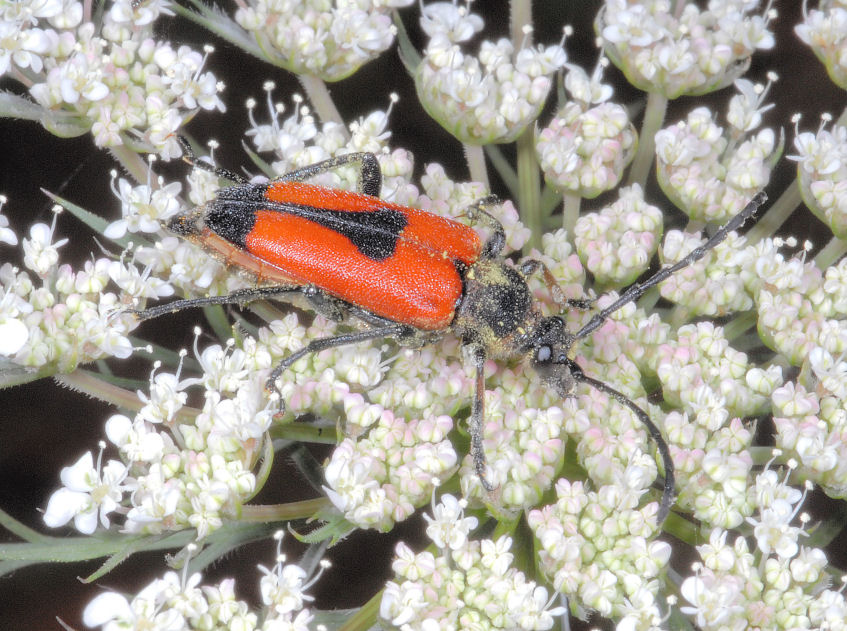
(219, 321)
(833, 251)
(303, 509)
(678, 316)
(570, 213)
(366, 617)
(739, 325)
(654, 116)
(319, 97)
(90, 384)
(305, 433)
(529, 187)
(132, 162)
(529, 181)
(521, 16)
(476, 164)
(503, 168)
(648, 300)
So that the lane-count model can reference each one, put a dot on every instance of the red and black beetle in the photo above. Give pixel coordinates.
(405, 273)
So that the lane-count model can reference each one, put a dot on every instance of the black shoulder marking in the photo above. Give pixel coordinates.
(374, 233)
(232, 214)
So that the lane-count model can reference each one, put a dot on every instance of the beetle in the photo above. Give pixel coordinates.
(405, 273)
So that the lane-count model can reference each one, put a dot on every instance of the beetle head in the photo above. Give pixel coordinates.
(548, 344)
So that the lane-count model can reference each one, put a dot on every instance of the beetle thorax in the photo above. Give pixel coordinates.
(496, 310)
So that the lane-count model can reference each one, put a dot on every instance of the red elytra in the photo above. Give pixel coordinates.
(412, 278)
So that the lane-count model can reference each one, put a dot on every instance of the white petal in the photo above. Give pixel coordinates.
(62, 506)
(106, 607)
(117, 429)
(79, 476)
(86, 521)
(13, 336)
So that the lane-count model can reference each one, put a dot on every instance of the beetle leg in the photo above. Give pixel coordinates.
(315, 346)
(531, 266)
(497, 240)
(325, 305)
(239, 297)
(477, 416)
(528, 267)
(370, 173)
(189, 158)
(580, 303)
(669, 488)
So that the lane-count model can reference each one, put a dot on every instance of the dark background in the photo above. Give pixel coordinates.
(44, 427)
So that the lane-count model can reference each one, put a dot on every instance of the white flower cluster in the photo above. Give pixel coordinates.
(663, 49)
(465, 584)
(595, 547)
(811, 422)
(701, 354)
(382, 477)
(486, 99)
(710, 173)
(145, 209)
(67, 318)
(800, 307)
(824, 30)
(589, 142)
(617, 243)
(523, 445)
(822, 175)
(177, 474)
(313, 37)
(702, 375)
(611, 442)
(778, 584)
(713, 386)
(711, 454)
(114, 80)
(179, 603)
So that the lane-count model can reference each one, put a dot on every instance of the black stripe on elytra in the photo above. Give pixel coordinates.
(374, 233)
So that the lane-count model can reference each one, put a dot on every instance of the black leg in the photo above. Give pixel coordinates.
(240, 297)
(497, 240)
(390, 330)
(370, 174)
(189, 157)
(638, 289)
(531, 266)
(477, 415)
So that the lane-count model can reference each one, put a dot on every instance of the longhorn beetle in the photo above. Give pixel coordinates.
(405, 273)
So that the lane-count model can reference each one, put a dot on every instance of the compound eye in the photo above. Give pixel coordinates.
(544, 354)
